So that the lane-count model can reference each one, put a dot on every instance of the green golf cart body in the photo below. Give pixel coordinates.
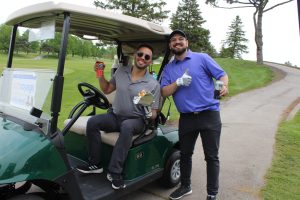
(34, 151)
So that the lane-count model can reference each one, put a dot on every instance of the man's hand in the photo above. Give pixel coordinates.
(99, 69)
(224, 91)
(148, 111)
(185, 80)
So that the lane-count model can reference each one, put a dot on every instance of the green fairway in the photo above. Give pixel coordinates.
(78, 70)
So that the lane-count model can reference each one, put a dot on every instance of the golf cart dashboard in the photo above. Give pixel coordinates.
(8, 122)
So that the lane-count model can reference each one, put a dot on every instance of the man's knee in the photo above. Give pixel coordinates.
(93, 125)
(186, 155)
(132, 126)
(92, 122)
(211, 157)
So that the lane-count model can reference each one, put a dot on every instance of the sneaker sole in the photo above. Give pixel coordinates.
(109, 178)
(190, 192)
(117, 188)
(97, 171)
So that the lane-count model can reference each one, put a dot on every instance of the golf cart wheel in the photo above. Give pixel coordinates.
(171, 176)
(23, 188)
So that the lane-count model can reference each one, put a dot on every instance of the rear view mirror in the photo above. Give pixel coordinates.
(45, 31)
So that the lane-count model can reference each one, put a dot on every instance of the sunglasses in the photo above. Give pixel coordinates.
(141, 54)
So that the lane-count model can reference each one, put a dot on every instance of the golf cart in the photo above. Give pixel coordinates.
(35, 151)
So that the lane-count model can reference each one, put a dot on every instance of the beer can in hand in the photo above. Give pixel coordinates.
(218, 87)
(99, 68)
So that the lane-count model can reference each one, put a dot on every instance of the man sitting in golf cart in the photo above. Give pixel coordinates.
(128, 115)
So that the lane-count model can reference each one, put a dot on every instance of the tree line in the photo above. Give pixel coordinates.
(76, 45)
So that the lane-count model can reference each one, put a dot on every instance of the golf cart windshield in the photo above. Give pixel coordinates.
(24, 89)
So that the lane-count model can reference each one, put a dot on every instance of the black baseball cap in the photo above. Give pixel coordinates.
(179, 32)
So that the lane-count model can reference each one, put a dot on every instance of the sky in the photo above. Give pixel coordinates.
(280, 26)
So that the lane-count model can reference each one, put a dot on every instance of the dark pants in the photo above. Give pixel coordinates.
(112, 123)
(208, 123)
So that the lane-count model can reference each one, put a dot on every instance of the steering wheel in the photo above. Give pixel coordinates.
(93, 95)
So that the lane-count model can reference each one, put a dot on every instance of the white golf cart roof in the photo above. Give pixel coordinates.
(104, 25)
(128, 32)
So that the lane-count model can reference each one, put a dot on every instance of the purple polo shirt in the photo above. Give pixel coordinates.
(199, 95)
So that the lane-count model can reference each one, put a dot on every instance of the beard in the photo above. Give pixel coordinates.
(140, 67)
(178, 52)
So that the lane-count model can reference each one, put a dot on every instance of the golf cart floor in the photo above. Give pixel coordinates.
(96, 186)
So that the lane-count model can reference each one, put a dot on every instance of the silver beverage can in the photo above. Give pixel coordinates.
(219, 85)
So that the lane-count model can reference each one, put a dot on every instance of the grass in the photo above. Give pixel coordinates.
(241, 75)
(283, 178)
(77, 70)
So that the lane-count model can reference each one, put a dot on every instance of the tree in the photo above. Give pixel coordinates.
(188, 18)
(235, 39)
(4, 37)
(86, 48)
(141, 9)
(260, 7)
(46, 47)
(74, 44)
(225, 52)
(22, 43)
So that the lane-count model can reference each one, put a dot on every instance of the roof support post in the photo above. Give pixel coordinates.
(12, 45)
(59, 78)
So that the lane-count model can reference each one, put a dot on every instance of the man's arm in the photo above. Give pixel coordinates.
(168, 90)
(154, 114)
(224, 90)
(184, 80)
(106, 86)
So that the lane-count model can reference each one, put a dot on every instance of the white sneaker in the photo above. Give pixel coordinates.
(90, 169)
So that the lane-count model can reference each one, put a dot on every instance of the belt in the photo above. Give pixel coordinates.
(192, 113)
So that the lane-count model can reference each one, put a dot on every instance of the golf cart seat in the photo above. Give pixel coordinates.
(79, 127)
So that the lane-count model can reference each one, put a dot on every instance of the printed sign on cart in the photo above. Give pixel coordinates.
(24, 87)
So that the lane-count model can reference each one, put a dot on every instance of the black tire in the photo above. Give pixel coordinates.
(171, 175)
(27, 197)
(23, 188)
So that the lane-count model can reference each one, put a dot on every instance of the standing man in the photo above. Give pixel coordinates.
(127, 117)
(189, 78)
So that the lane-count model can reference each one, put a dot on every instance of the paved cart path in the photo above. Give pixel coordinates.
(250, 123)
